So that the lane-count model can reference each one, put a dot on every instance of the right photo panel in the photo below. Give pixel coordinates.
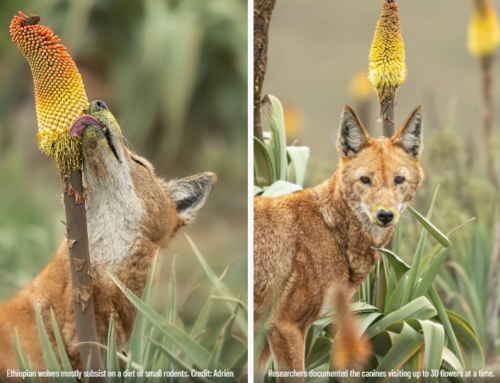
(376, 179)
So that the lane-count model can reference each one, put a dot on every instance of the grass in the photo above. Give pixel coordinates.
(162, 342)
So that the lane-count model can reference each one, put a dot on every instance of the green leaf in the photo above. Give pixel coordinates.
(66, 365)
(136, 347)
(427, 260)
(111, 358)
(320, 351)
(179, 362)
(202, 319)
(278, 131)
(431, 273)
(281, 188)
(196, 352)
(396, 246)
(473, 354)
(433, 230)
(240, 363)
(21, 356)
(299, 155)
(221, 288)
(406, 345)
(49, 356)
(419, 308)
(222, 341)
(412, 275)
(451, 363)
(433, 349)
(257, 190)
(264, 171)
(399, 266)
(444, 318)
(394, 301)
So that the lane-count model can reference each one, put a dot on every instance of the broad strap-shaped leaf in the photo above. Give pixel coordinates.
(299, 155)
(281, 188)
(420, 308)
(264, 168)
(433, 347)
(400, 267)
(406, 345)
(433, 230)
(444, 318)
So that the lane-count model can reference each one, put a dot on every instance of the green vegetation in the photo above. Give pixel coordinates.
(161, 341)
(402, 313)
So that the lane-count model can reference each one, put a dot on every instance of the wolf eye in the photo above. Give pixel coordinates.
(399, 180)
(366, 180)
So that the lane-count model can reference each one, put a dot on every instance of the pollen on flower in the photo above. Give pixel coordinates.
(59, 93)
(484, 30)
(388, 69)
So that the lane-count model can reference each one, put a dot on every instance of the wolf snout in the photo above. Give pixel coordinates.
(97, 106)
(385, 216)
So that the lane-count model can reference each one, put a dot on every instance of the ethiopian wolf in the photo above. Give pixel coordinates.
(317, 246)
(131, 214)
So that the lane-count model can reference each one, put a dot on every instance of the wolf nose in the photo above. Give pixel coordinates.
(96, 106)
(385, 216)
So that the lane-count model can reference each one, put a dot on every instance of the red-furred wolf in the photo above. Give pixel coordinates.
(131, 214)
(317, 245)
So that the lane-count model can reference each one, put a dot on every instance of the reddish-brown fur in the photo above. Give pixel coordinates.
(313, 245)
(159, 201)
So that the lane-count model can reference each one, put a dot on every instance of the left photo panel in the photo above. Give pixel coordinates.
(123, 191)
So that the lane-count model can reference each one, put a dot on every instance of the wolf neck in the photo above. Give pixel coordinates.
(114, 215)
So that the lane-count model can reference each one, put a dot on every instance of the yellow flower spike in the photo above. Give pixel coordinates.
(387, 55)
(59, 93)
(484, 30)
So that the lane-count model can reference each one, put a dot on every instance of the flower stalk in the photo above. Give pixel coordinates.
(387, 71)
(60, 99)
(483, 41)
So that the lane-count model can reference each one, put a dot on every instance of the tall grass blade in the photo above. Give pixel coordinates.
(199, 354)
(136, 346)
(412, 275)
(221, 288)
(112, 364)
(66, 365)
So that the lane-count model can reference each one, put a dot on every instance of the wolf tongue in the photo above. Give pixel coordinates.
(81, 123)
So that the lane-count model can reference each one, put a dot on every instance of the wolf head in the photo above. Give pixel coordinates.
(129, 209)
(379, 176)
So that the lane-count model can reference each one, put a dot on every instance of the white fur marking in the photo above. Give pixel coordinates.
(114, 213)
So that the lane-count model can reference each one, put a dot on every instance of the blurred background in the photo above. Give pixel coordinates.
(174, 74)
(318, 62)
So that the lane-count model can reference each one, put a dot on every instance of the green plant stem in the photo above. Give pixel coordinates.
(493, 302)
(76, 225)
(487, 68)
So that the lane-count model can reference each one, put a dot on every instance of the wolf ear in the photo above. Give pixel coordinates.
(190, 194)
(352, 135)
(410, 135)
